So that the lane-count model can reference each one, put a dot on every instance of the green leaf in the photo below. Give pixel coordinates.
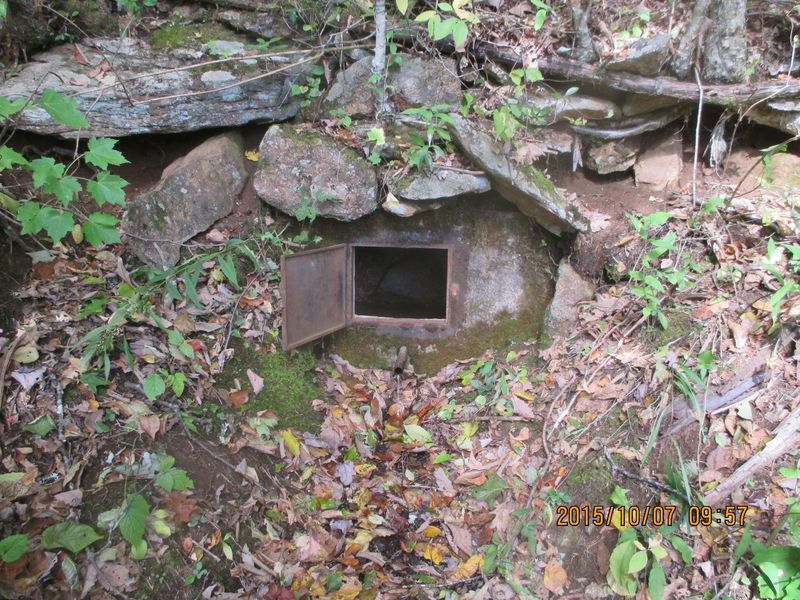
(541, 16)
(107, 187)
(425, 16)
(28, 215)
(418, 434)
(64, 110)
(132, 523)
(682, 548)
(13, 547)
(9, 158)
(618, 496)
(441, 29)
(139, 549)
(174, 479)
(621, 582)
(41, 426)
(460, 34)
(45, 170)
(656, 582)
(64, 188)
(442, 457)
(491, 488)
(154, 386)
(101, 153)
(57, 223)
(638, 561)
(229, 270)
(402, 6)
(70, 535)
(744, 543)
(100, 229)
(9, 107)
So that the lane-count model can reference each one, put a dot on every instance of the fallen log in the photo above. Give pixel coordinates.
(722, 94)
(786, 437)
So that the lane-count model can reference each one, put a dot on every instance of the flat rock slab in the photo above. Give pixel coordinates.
(524, 185)
(612, 157)
(81, 70)
(417, 82)
(439, 185)
(194, 192)
(300, 168)
(571, 290)
(659, 167)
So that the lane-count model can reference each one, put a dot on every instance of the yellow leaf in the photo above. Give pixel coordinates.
(252, 155)
(25, 354)
(77, 234)
(468, 568)
(524, 396)
(431, 552)
(291, 442)
(217, 275)
(616, 519)
(431, 531)
(365, 469)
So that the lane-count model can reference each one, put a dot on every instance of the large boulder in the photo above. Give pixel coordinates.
(194, 192)
(524, 185)
(121, 101)
(300, 168)
(417, 82)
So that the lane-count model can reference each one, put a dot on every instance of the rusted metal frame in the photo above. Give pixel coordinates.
(353, 318)
(344, 299)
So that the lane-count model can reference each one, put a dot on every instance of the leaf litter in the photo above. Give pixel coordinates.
(413, 486)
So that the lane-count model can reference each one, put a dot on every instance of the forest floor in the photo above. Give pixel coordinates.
(202, 468)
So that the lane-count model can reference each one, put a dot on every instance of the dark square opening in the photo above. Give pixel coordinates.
(400, 283)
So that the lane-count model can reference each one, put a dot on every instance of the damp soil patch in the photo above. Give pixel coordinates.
(14, 266)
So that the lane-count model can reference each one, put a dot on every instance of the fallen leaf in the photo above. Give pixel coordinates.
(25, 355)
(256, 382)
(468, 568)
(181, 505)
(238, 398)
(555, 577)
(28, 377)
(150, 424)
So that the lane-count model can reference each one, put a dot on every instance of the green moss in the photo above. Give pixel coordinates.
(589, 481)
(289, 383)
(539, 179)
(680, 325)
(176, 35)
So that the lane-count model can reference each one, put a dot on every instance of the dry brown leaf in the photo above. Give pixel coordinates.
(555, 577)
(150, 425)
(181, 505)
(237, 399)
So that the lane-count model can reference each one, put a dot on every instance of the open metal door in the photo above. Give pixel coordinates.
(314, 289)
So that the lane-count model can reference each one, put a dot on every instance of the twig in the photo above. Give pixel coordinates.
(232, 85)
(4, 367)
(652, 483)
(216, 62)
(697, 136)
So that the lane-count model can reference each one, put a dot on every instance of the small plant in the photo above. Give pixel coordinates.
(789, 284)
(134, 7)
(422, 151)
(307, 211)
(653, 279)
(58, 186)
(456, 26)
(342, 118)
(541, 14)
(310, 88)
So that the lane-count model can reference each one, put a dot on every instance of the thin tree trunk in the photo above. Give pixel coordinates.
(379, 61)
